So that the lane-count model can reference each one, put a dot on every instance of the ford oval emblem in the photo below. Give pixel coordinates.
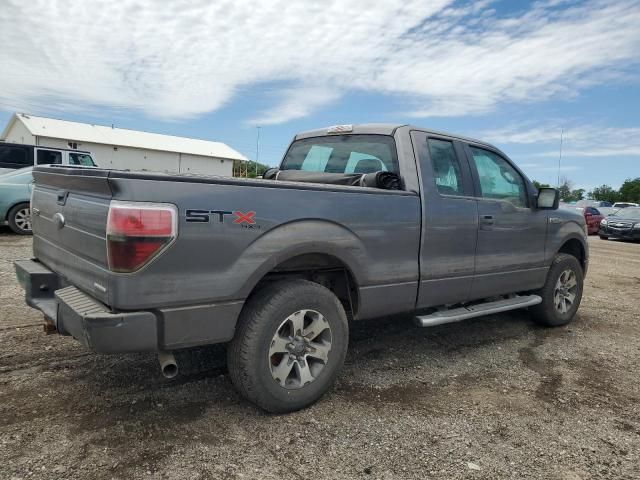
(58, 219)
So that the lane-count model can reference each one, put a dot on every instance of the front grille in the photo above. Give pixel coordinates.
(621, 225)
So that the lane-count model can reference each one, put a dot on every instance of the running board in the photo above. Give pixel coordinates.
(477, 310)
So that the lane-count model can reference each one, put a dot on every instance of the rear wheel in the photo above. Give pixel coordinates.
(561, 293)
(289, 346)
(19, 219)
(603, 237)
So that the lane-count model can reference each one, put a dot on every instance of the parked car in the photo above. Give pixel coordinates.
(593, 203)
(15, 191)
(624, 204)
(358, 222)
(15, 155)
(606, 211)
(625, 223)
(592, 217)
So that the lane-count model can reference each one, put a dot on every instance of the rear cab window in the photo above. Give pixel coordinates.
(49, 157)
(343, 154)
(447, 172)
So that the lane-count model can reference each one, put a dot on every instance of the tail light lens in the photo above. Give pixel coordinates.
(137, 232)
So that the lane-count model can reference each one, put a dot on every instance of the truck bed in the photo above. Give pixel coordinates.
(374, 233)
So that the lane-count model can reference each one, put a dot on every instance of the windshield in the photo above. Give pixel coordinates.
(343, 154)
(630, 212)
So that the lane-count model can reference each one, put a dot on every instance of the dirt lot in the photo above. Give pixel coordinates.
(496, 397)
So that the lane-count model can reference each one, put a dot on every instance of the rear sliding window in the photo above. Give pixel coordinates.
(343, 154)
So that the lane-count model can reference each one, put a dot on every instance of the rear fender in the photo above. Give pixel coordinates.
(299, 238)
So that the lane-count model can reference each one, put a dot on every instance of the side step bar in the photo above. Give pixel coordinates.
(477, 310)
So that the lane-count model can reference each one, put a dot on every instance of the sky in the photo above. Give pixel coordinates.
(517, 74)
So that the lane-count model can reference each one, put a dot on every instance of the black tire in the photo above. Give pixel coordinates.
(603, 237)
(249, 361)
(14, 219)
(547, 313)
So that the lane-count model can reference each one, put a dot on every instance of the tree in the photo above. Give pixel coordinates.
(565, 189)
(539, 185)
(630, 190)
(248, 168)
(605, 193)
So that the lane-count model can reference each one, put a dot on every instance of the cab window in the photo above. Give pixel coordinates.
(498, 179)
(49, 157)
(446, 168)
(83, 159)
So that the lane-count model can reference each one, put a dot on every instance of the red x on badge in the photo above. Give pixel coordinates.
(244, 217)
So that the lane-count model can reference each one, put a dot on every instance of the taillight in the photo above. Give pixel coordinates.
(137, 232)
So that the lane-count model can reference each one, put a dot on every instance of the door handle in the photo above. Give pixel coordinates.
(486, 222)
(62, 197)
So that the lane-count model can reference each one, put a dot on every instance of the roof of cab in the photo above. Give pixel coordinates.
(382, 129)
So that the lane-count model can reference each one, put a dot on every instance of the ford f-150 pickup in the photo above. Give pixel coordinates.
(357, 222)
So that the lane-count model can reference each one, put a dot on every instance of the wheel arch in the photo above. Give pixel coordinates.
(12, 206)
(326, 269)
(577, 248)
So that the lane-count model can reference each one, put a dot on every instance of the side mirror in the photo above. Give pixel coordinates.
(548, 198)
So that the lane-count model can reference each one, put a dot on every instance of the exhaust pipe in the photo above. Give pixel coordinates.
(168, 364)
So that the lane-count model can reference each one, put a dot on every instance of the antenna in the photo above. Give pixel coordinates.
(560, 157)
(257, 149)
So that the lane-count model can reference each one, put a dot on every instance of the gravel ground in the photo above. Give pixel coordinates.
(496, 397)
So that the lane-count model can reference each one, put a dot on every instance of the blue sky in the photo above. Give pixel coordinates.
(510, 72)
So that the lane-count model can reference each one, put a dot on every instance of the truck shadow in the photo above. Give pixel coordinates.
(392, 347)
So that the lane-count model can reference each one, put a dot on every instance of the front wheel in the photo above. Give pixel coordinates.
(290, 343)
(19, 219)
(603, 237)
(561, 293)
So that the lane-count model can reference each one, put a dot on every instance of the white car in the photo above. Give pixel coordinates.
(624, 204)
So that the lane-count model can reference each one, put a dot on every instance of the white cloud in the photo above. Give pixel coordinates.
(579, 140)
(185, 58)
(296, 103)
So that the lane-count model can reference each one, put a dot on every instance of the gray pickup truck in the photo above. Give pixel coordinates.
(277, 268)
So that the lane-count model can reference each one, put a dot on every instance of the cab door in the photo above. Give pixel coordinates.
(510, 254)
(449, 220)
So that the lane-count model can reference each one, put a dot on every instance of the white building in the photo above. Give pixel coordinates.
(124, 149)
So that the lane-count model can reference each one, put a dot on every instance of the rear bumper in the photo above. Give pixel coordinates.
(628, 233)
(73, 312)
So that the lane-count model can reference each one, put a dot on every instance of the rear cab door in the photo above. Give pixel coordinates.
(510, 253)
(449, 220)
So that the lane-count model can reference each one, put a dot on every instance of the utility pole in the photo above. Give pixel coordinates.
(257, 149)
(560, 157)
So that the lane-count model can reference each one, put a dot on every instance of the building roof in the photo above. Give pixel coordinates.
(86, 132)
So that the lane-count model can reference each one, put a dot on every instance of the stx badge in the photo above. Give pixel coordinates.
(205, 216)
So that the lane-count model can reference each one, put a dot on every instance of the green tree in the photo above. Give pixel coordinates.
(605, 193)
(248, 169)
(576, 195)
(539, 185)
(630, 190)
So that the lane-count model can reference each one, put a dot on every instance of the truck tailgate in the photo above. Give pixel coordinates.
(70, 209)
